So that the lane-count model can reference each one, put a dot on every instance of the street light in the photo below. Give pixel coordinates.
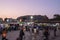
(31, 17)
(7, 20)
(20, 20)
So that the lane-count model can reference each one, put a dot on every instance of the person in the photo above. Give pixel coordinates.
(55, 29)
(0, 30)
(37, 30)
(21, 34)
(26, 28)
(32, 30)
(46, 34)
(4, 34)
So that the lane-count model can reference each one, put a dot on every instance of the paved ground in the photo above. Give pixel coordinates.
(30, 36)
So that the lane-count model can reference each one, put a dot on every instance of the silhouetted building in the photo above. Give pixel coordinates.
(33, 18)
(9, 20)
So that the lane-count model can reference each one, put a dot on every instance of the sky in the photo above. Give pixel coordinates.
(16, 8)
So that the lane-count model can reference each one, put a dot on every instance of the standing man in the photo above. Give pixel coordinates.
(55, 29)
(46, 34)
(21, 34)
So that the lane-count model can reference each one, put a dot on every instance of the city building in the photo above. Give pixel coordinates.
(10, 20)
(33, 18)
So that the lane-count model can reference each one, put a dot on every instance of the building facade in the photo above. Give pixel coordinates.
(33, 18)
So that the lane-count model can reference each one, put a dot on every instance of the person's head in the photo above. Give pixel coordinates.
(4, 29)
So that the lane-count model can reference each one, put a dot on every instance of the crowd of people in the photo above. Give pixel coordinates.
(34, 30)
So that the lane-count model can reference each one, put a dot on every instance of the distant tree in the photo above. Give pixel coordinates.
(1, 20)
(5, 19)
(23, 18)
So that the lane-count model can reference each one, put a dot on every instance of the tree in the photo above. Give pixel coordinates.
(5, 19)
(1, 20)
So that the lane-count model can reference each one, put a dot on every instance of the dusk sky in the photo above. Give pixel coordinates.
(16, 8)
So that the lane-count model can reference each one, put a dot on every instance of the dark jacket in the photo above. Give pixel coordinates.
(21, 33)
(46, 33)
